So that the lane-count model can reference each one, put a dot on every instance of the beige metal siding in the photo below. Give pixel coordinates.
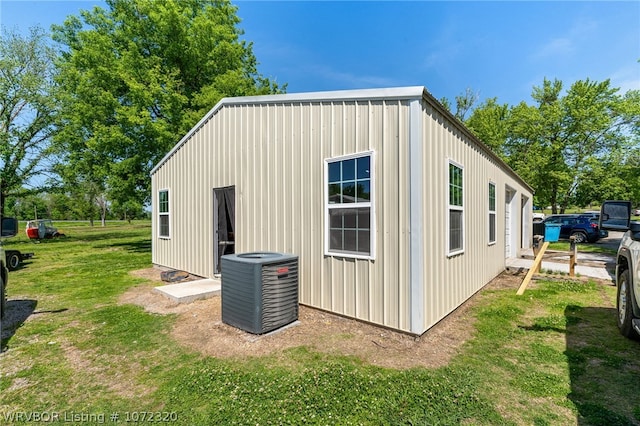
(451, 280)
(274, 155)
(273, 150)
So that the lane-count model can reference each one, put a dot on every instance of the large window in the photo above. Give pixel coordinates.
(456, 209)
(349, 215)
(163, 213)
(492, 212)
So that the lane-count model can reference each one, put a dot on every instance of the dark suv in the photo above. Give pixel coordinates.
(575, 225)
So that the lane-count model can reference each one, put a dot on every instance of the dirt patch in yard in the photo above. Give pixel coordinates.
(200, 327)
(117, 381)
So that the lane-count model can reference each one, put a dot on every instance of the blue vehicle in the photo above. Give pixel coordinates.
(574, 225)
(595, 218)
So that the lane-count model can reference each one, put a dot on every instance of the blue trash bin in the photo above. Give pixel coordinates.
(552, 232)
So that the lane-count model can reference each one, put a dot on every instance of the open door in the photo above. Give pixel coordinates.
(525, 222)
(510, 224)
(224, 221)
(615, 215)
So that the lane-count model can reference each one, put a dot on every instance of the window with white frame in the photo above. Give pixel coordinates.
(492, 212)
(163, 213)
(349, 212)
(456, 209)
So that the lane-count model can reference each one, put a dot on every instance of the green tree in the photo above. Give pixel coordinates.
(603, 179)
(534, 145)
(27, 109)
(136, 78)
(570, 132)
(464, 103)
(489, 121)
(84, 180)
(615, 178)
(26, 207)
(564, 140)
(128, 211)
(631, 174)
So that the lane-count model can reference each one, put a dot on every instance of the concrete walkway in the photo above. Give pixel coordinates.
(189, 291)
(595, 265)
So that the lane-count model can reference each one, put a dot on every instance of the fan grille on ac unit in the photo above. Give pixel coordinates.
(259, 291)
(279, 294)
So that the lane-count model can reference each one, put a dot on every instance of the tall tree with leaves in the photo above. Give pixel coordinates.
(553, 143)
(489, 121)
(136, 77)
(464, 103)
(27, 109)
(559, 143)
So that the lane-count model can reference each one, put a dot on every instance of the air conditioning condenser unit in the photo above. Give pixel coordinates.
(259, 290)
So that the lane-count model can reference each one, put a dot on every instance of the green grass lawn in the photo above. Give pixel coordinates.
(552, 356)
(585, 247)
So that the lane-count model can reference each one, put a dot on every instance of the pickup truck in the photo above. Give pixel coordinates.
(8, 228)
(616, 215)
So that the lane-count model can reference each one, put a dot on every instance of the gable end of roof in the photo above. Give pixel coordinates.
(399, 93)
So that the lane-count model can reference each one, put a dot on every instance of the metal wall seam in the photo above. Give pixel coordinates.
(402, 228)
(319, 151)
(416, 192)
(404, 272)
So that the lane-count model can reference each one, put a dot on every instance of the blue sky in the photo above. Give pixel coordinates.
(499, 49)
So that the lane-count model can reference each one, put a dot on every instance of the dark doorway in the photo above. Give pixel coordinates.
(224, 221)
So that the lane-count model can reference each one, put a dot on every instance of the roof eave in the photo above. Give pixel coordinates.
(429, 98)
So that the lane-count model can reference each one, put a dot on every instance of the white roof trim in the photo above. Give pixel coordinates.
(411, 92)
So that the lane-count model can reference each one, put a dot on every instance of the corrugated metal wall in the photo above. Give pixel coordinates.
(274, 152)
(449, 281)
(274, 155)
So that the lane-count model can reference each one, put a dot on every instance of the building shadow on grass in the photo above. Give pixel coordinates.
(143, 246)
(604, 368)
(17, 312)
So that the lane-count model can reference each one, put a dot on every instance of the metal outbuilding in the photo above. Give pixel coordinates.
(397, 212)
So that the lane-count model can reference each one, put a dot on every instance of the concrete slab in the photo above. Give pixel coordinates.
(582, 270)
(255, 337)
(584, 257)
(189, 291)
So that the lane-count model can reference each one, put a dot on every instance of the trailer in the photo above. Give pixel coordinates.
(14, 258)
(8, 228)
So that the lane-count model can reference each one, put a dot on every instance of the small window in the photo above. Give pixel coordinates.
(349, 218)
(456, 209)
(492, 212)
(163, 213)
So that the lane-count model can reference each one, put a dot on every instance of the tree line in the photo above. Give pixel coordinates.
(60, 206)
(87, 111)
(575, 147)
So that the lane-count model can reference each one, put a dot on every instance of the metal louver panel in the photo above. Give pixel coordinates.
(279, 294)
(259, 291)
